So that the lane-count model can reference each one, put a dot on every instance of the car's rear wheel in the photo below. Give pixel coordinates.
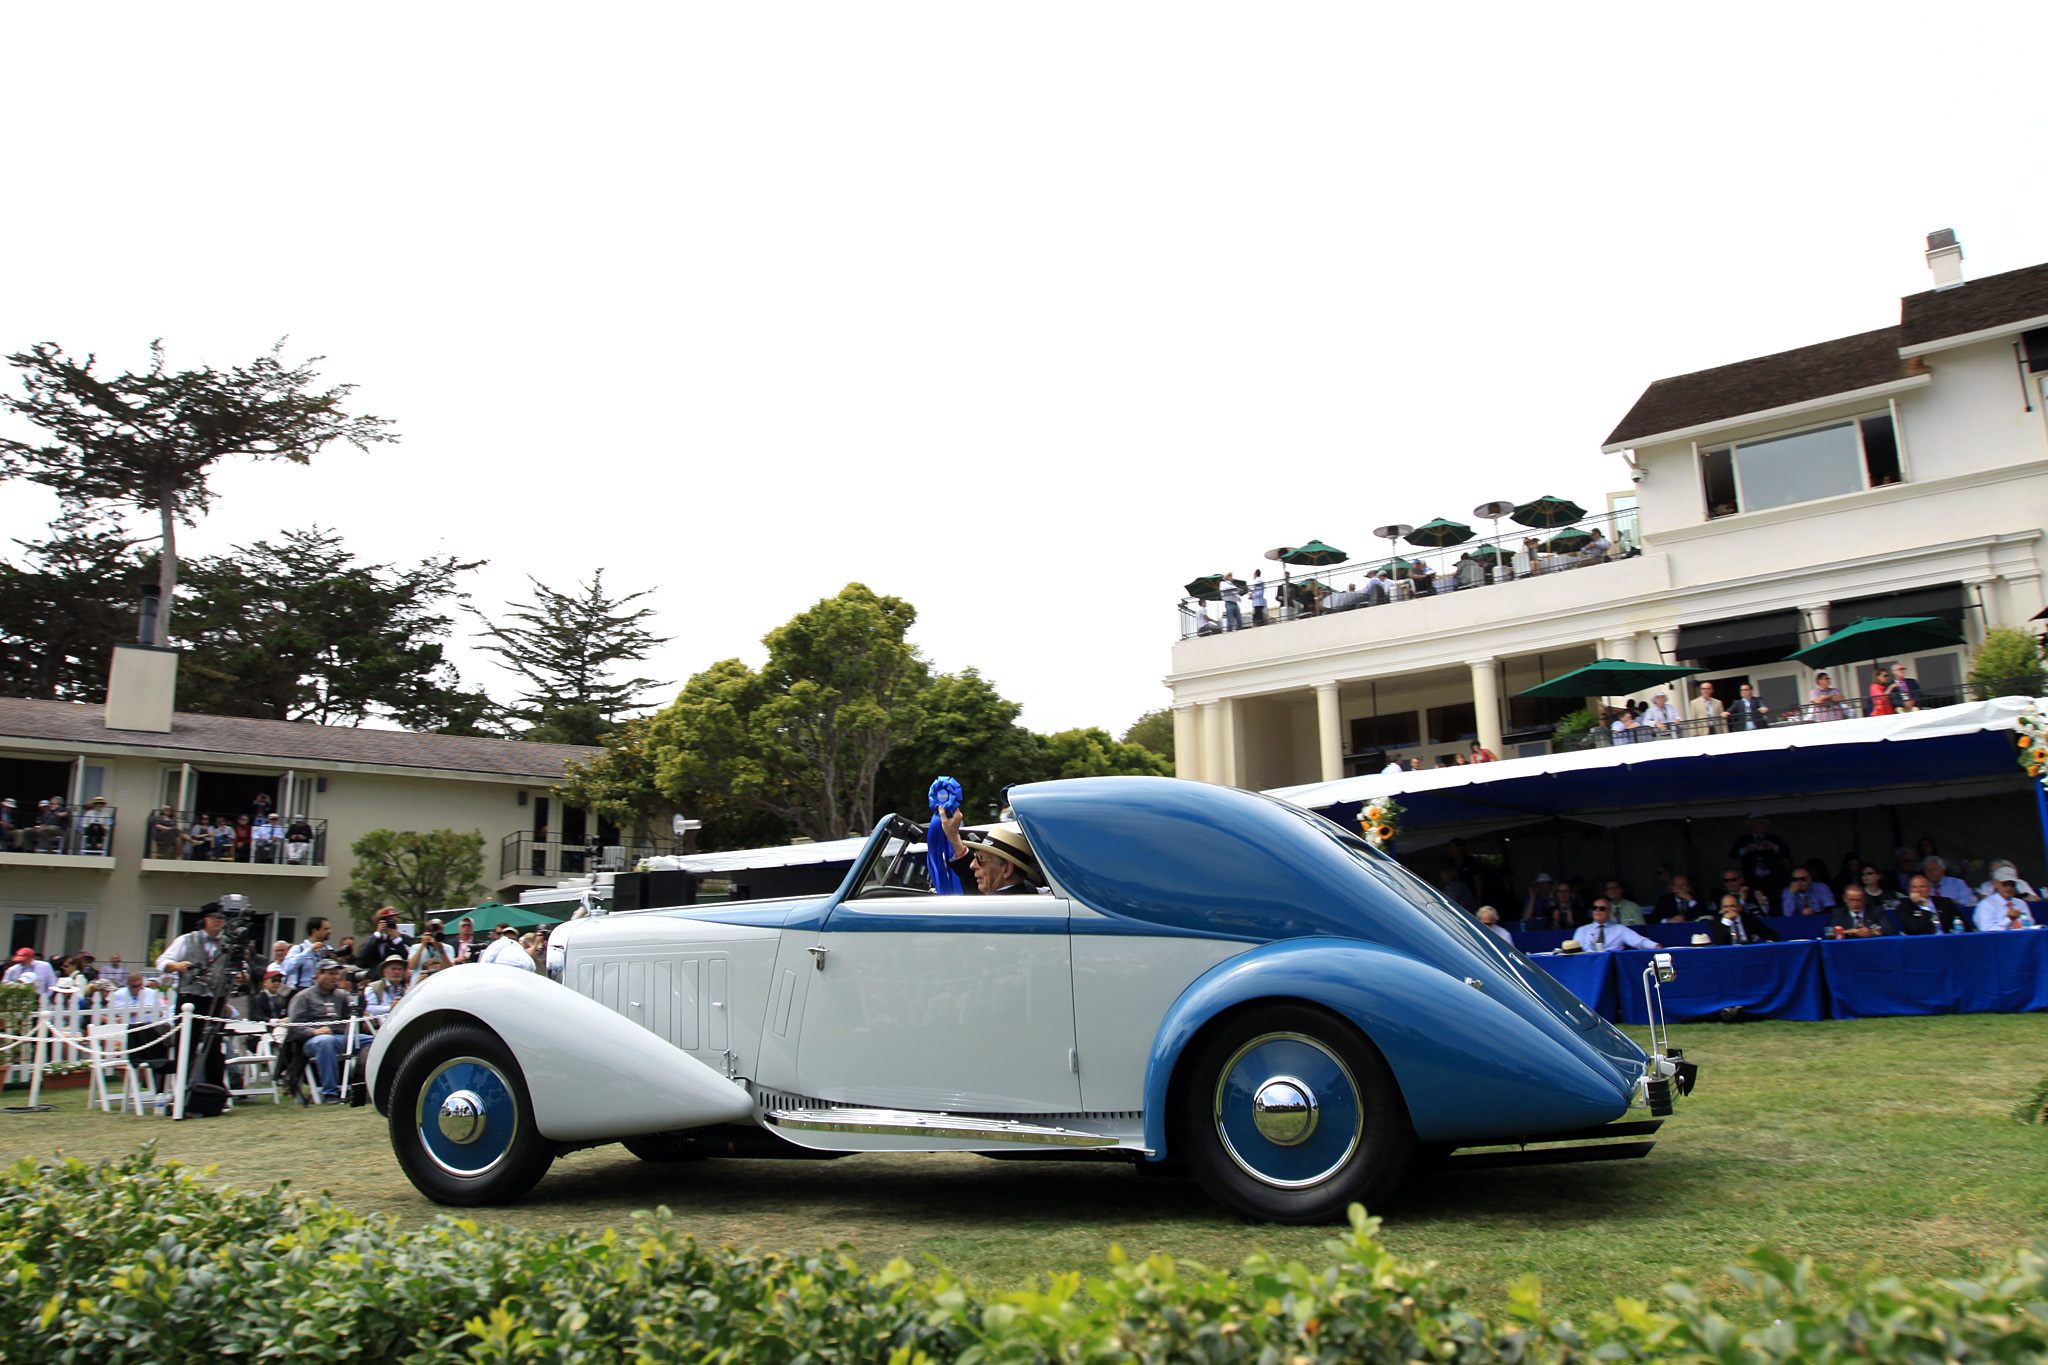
(461, 1120)
(1290, 1115)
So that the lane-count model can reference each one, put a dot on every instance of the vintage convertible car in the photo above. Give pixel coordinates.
(1212, 982)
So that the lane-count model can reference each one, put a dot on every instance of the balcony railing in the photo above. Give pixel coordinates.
(1390, 580)
(205, 837)
(525, 855)
(87, 831)
(1604, 735)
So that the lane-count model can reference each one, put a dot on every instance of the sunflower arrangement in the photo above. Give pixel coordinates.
(2033, 741)
(1381, 822)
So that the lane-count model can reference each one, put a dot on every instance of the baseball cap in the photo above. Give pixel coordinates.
(274, 971)
(24, 954)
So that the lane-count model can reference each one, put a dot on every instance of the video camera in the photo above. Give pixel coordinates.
(236, 936)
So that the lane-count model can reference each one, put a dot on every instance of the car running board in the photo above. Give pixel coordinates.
(851, 1126)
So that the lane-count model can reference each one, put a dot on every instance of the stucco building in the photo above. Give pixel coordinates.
(1900, 472)
(99, 894)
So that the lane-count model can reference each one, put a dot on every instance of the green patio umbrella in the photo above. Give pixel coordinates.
(1315, 553)
(1546, 512)
(1399, 567)
(1207, 588)
(1608, 678)
(1439, 533)
(491, 914)
(1568, 542)
(1878, 638)
(1489, 552)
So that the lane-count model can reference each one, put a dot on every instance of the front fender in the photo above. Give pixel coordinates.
(592, 1074)
(1471, 1069)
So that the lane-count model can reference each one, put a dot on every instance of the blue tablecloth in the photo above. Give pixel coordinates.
(1678, 935)
(1998, 973)
(2001, 973)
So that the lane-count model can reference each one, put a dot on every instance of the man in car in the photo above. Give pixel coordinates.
(1003, 862)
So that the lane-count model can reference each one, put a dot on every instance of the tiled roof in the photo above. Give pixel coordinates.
(1994, 301)
(1770, 381)
(65, 722)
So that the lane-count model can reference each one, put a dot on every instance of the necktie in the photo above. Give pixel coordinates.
(1601, 940)
(1735, 930)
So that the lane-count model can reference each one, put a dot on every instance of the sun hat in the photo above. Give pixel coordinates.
(1006, 842)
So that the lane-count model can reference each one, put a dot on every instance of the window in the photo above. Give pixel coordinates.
(1385, 732)
(1777, 471)
(1449, 724)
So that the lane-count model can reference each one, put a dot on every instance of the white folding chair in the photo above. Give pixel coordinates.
(107, 1041)
(260, 1059)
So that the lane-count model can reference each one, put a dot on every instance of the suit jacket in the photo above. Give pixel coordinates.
(1668, 904)
(1873, 915)
(1752, 925)
(1747, 714)
(1916, 919)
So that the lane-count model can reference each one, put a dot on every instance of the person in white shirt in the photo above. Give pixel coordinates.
(2004, 910)
(30, 970)
(264, 839)
(380, 997)
(135, 1003)
(1955, 888)
(506, 951)
(1490, 917)
(1258, 597)
(1660, 712)
(1596, 549)
(1603, 935)
(2002, 870)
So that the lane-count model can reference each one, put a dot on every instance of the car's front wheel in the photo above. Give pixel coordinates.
(461, 1120)
(1290, 1115)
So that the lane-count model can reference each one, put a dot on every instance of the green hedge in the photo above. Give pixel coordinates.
(132, 1261)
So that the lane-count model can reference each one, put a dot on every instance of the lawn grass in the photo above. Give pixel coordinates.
(1882, 1142)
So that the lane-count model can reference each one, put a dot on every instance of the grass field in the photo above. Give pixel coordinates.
(1884, 1141)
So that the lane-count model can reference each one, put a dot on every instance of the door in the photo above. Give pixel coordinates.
(1783, 690)
(955, 1003)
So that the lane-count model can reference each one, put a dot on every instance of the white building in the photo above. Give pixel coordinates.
(1901, 472)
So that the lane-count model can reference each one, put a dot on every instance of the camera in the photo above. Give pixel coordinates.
(237, 935)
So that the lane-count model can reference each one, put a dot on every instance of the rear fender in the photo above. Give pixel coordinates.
(592, 1074)
(1470, 1068)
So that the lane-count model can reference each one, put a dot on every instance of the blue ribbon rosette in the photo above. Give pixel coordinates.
(938, 850)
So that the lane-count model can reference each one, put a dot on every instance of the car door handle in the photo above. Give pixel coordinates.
(818, 957)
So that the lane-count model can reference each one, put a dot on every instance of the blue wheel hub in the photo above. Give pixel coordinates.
(467, 1116)
(1287, 1110)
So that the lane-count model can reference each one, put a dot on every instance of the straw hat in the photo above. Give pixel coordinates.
(1008, 843)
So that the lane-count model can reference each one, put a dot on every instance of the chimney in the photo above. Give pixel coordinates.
(142, 684)
(1945, 258)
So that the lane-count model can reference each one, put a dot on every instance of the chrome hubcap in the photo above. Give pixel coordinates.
(1284, 1111)
(462, 1117)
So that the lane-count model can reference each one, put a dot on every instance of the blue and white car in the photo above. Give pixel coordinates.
(1211, 981)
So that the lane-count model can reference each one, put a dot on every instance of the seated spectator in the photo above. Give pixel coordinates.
(1602, 935)
(268, 1004)
(1479, 753)
(95, 827)
(264, 837)
(2002, 870)
(1955, 888)
(381, 996)
(1921, 911)
(199, 839)
(1856, 917)
(1804, 896)
(1596, 550)
(10, 830)
(2004, 909)
(1753, 900)
(1734, 925)
(319, 1017)
(1625, 910)
(298, 841)
(1490, 918)
(1422, 580)
(1204, 623)
(1905, 866)
(1456, 889)
(1532, 556)
(1679, 903)
(1540, 907)
(135, 1002)
(1626, 731)
(1850, 875)
(244, 834)
(53, 825)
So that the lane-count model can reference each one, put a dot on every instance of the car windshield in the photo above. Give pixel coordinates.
(1454, 921)
(887, 862)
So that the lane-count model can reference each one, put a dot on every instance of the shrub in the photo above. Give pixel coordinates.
(2009, 665)
(1576, 722)
(131, 1261)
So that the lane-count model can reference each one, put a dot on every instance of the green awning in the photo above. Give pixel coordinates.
(1878, 638)
(1608, 678)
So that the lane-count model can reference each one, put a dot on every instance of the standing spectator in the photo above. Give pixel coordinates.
(1626, 731)
(1231, 590)
(1708, 710)
(1905, 693)
(1955, 888)
(261, 807)
(1532, 556)
(300, 963)
(298, 841)
(165, 833)
(319, 1018)
(385, 942)
(2004, 909)
(1825, 701)
(1804, 896)
(28, 970)
(1481, 754)
(1880, 699)
(1763, 858)
(1258, 597)
(1456, 889)
(96, 826)
(466, 945)
(1856, 917)
(1662, 714)
(346, 949)
(429, 949)
(1746, 712)
(506, 952)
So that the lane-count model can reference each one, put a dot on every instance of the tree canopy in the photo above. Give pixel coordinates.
(418, 873)
(1154, 730)
(565, 645)
(148, 441)
(65, 604)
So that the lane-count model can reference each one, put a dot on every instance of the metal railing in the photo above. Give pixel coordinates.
(1392, 579)
(208, 837)
(525, 854)
(88, 830)
(1604, 735)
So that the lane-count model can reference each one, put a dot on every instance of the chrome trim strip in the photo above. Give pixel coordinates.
(907, 1123)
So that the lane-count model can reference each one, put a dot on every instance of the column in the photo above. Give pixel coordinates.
(1187, 742)
(1486, 702)
(1212, 741)
(1330, 729)
(1618, 647)
(1667, 653)
(2022, 599)
(1975, 623)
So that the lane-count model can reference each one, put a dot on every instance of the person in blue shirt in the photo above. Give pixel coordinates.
(1603, 935)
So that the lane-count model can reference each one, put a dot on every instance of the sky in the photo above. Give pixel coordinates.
(1027, 314)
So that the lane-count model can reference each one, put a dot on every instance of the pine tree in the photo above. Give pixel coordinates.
(565, 645)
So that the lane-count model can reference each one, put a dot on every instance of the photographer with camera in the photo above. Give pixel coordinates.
(205, 963)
